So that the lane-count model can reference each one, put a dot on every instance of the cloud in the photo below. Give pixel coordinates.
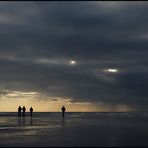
(38, 39)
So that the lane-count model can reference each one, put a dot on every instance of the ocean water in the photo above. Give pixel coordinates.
(76, 129)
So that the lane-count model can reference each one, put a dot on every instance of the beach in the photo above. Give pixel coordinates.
(76, 129)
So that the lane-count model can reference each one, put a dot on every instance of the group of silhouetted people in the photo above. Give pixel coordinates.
(21, 111)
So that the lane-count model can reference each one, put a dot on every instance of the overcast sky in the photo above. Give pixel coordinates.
(87, 51)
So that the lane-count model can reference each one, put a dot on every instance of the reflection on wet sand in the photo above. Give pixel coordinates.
(63, 122)
(31, 122)
(19, 120)
(22, 121)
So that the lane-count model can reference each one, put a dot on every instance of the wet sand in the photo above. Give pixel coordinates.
(75, 130)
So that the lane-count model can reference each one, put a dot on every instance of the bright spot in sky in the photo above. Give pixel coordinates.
(72, 62)
(112, 70)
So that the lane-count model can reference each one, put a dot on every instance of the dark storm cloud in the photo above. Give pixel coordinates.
(38, 39)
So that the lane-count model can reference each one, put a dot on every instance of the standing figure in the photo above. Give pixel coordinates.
(63, 110)
(24, 109)
(19, 111)
(31, 110)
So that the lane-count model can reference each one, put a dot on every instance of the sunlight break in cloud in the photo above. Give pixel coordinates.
(17, 94)
(111, 70)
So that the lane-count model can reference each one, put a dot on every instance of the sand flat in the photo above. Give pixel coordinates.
(118, 129)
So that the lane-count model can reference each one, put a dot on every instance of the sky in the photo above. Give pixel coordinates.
(88, 56)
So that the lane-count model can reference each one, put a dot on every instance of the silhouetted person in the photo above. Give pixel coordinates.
(31, 110)
(63, 110)
(24, 109)
(19, 111)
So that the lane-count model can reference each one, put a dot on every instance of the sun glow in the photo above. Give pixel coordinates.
(111, 70)
(10, 100)
(72, 62)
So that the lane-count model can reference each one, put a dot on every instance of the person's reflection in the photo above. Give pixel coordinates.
(63, 122)
(31, 122)
(23, 120)
(19, 120)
